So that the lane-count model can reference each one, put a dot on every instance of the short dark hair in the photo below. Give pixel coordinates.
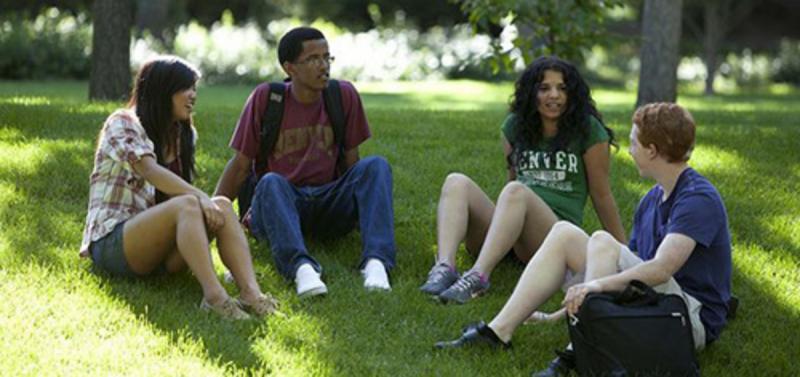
(291, 44)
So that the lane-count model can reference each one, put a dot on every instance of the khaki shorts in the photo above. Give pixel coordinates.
(627, 260)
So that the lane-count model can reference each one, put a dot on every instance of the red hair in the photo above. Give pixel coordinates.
(667, 126)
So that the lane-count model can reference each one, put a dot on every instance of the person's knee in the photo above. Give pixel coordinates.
(603, 244)
(187, 206)
(223, 203)
(270, 183)
(514, 191)
(456, 185)
(374, 166)
(567, 231)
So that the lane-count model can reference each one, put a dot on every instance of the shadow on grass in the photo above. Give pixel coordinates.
(353, 332)
(44, 206)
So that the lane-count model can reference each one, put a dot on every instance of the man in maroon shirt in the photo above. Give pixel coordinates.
(300, 191)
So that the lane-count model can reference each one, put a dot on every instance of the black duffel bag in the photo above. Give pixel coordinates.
(637, 332)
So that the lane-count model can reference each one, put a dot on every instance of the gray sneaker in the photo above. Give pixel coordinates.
(468, 286)
(441, 277)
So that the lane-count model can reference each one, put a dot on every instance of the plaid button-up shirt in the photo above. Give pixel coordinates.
(116, 191)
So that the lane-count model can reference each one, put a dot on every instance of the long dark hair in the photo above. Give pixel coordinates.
(574, 123)
(157, 81)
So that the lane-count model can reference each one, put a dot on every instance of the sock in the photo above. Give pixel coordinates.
(375, 276)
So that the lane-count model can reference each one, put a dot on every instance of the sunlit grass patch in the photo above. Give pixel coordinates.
(57, 317)
(67, 326)
(25, 101)
(711, 159)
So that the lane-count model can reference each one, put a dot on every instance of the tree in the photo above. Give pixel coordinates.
(661, 34)
(566, 28)
(110, 76)
(718, 18)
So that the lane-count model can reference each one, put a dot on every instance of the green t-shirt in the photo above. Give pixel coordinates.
(559, 177)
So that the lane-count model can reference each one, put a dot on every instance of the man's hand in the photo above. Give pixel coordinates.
(577, 293)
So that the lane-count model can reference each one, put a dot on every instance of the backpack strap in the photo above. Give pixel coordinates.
(271, 123)
(332, 95)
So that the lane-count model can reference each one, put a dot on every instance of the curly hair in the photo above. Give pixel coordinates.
(574, 123)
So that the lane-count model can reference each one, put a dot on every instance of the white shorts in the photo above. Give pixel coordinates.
(627, 260)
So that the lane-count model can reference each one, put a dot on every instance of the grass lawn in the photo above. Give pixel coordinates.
(59, 318)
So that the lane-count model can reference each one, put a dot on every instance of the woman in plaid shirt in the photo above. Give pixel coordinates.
(144, 216)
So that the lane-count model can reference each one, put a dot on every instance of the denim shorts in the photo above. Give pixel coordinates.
(108, 255)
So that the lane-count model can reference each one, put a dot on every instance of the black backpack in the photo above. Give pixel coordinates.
(270, 127)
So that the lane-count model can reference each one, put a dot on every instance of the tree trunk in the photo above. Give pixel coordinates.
(661, 34)
(152, 15)
(110, 76)
(714, 30)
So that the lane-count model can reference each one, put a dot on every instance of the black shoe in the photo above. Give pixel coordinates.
(562, 365)
(478, 333)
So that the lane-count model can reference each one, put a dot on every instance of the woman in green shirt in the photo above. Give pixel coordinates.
(557, 150)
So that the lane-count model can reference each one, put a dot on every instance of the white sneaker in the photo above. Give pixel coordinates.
(308, 281)
(375, 277)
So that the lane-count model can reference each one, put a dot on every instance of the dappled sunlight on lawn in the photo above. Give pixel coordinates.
(291, 345)
(776, 276)
(9, 134)
(739, 104)
(22, 156)
(711, 159)
(28, 157)
(614, 98)
(25, 101)
(57, 314)
(94, 108)
(436, 95)
(66, 321)
(787, 224)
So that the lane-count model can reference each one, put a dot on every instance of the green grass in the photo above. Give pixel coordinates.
(59, 318)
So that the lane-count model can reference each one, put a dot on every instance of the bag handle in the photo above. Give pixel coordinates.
(637, 293)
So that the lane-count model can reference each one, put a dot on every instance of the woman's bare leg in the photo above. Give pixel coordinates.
(564, 247)
(521, 220)
(464, 214)
(234, 251)
(151, 236)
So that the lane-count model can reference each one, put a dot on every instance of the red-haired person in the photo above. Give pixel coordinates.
(680, 244)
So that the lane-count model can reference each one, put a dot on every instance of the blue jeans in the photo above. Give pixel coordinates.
(283, 213)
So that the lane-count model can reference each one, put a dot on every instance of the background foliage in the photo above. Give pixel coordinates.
(406, 39)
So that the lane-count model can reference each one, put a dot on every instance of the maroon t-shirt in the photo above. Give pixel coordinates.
(305, 152)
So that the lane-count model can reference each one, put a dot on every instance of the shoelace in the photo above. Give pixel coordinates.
(439, 271)
(466, 281)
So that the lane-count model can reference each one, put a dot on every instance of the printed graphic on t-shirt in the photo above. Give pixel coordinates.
(547, 169)
(315, 140)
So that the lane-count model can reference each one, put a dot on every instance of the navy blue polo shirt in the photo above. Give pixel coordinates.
(693, 209)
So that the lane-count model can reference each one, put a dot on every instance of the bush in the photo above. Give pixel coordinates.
(57, 44)
(788, 63)
(747, 69)
(54, 44)
(235, 54)
(224, 54)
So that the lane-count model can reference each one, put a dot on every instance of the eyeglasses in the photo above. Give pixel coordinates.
(317, 60)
